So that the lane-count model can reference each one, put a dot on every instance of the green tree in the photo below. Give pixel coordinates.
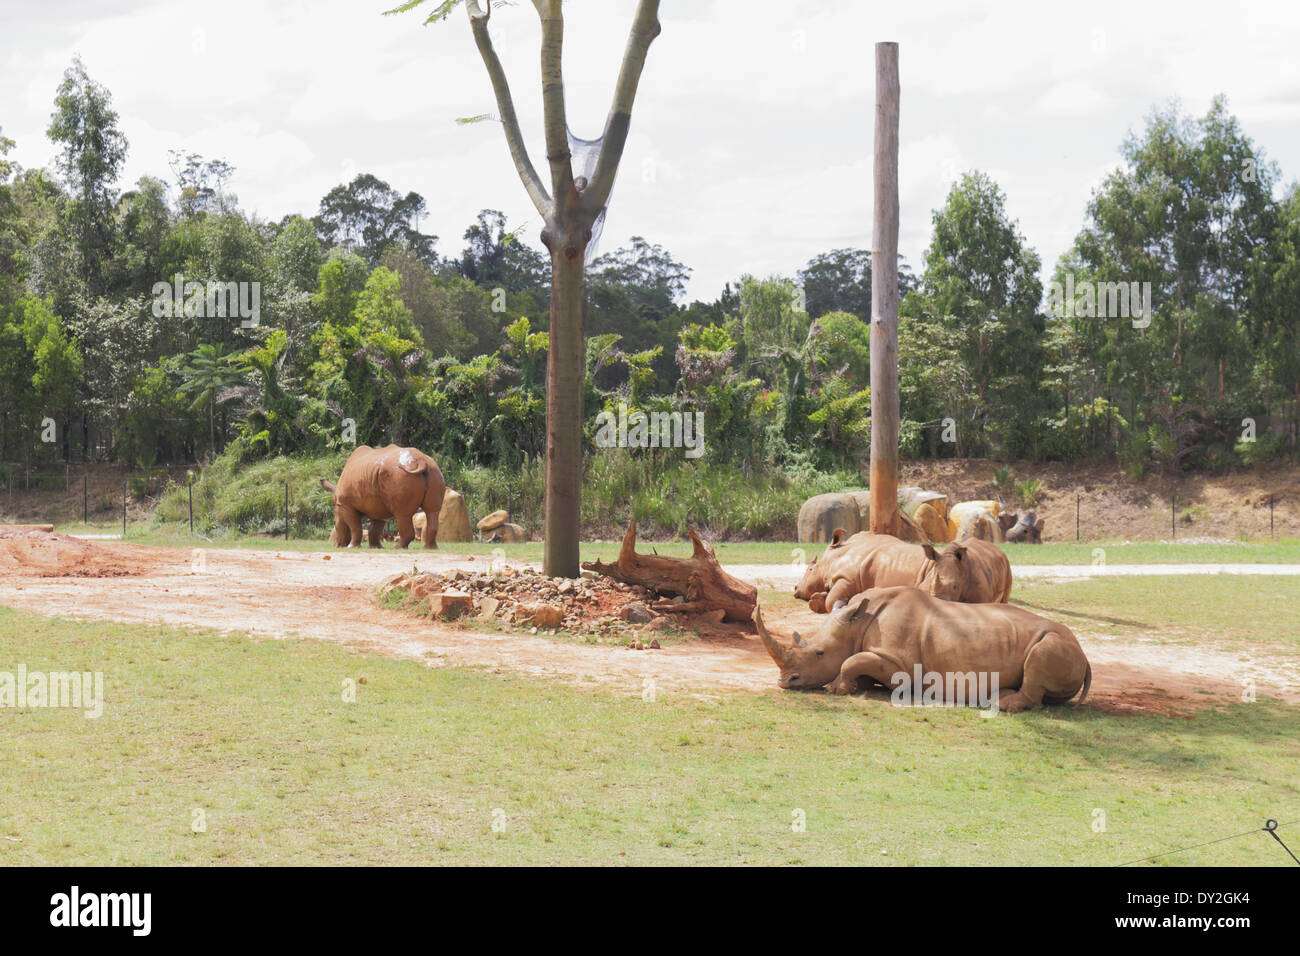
(94, 149)
(206, 373)
(981, 283)
(571, 209)
(367, 216)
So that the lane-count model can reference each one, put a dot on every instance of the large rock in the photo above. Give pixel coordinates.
(975, 519)
(822, 514)
(507, 534)
(907, 529)
(910, 499)
(453, 519)
(450, 605)
(493, 521)
(964, 515)
(934, 526)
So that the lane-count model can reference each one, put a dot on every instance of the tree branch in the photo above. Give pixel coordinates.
(645, 27)
(557, 124)
(478, 21)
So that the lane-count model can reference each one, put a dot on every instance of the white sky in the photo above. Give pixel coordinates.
(750, 148)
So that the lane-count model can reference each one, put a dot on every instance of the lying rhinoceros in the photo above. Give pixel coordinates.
(889, 632)
(975, 572)
(383, 483)
(1027, 528)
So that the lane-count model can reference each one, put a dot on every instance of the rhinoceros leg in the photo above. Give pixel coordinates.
(866, 664)
(376, 536)
(1054, 667)
(817, 603)
(841, 592)
(347, 526)
(405, 530)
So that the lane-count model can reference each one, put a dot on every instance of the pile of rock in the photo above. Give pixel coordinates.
(527, 599)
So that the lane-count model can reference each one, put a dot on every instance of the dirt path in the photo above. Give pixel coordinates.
(326, 596)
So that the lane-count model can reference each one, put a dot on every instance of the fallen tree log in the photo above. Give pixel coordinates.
(699, 579)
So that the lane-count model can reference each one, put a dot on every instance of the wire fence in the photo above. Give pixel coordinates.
(101, 491)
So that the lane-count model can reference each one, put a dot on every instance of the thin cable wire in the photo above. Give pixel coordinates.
(1234, 836)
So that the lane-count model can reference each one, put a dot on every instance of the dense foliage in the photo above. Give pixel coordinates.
(365, 333)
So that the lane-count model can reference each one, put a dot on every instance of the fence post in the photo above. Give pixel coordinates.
(1173, 515)
(1076, 518)
(190, 486)
(1271, 532)
(286, 509)
(124, 509)
(85, 499)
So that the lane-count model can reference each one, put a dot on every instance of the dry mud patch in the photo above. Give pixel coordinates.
(329, 596)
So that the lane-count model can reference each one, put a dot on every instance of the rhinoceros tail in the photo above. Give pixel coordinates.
(328, 485)
(413, 464)
(1087, 682)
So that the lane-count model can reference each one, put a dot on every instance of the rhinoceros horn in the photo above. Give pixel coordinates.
(773, 646)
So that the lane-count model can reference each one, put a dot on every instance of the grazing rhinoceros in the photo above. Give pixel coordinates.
(1027, 529)
(383, 483)
(975, 572)
(889, 632)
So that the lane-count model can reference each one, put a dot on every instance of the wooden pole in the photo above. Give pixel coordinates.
(884, 298)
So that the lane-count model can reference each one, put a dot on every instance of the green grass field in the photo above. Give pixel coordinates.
(257, 735)
(1228, 610)
(739, 552)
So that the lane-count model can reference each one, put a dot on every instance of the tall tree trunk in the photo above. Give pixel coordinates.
(884, 298)
(565, 375)
(569, 210)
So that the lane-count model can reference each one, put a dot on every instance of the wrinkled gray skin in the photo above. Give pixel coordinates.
(973, 572)
(1028, 529)
(888, 631)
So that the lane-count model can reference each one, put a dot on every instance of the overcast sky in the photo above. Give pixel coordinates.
(751, 139)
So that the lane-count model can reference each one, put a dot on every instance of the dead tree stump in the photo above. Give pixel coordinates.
(699, 579)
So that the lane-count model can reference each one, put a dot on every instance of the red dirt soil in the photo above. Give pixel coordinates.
(330, 597)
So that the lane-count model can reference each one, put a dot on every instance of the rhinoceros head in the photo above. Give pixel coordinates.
(815, 662)
(947, 579)
(817, 574)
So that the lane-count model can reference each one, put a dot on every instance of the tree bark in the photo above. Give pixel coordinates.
(699, 578)
(565, 374)
(884, 298)
(569, 211)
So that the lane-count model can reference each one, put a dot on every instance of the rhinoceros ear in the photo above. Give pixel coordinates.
(798, 641)
(930, 553)
(838, 536)
(959, 550)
